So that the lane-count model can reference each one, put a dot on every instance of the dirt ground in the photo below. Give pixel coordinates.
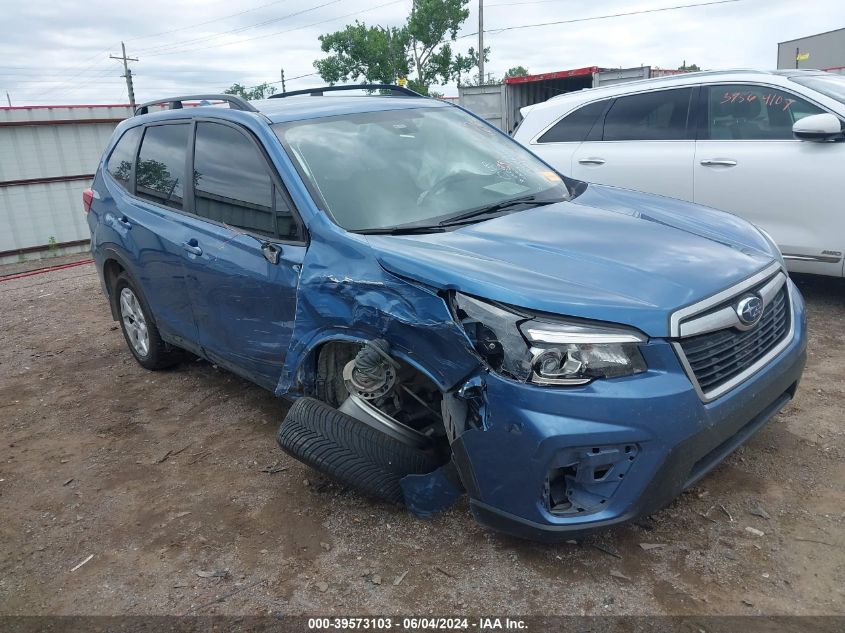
(171, 487)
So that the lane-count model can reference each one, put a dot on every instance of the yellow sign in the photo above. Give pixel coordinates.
(402, 81)
(802, 57)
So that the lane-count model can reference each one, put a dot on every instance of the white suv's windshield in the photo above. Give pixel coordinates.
(418, 167)
(829, 85)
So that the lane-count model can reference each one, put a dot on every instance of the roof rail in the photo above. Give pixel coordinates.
(235, 102)
(318, 92)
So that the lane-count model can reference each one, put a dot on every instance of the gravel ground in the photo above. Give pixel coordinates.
(172, 489)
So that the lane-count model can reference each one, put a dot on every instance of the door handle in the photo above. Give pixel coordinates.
(192, 247)
(591, 161)
(718, 162)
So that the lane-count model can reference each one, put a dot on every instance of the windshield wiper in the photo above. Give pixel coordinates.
(403, 230)
(462, 218)
(532, 200)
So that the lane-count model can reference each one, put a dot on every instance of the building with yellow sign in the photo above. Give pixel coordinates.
(825, 51)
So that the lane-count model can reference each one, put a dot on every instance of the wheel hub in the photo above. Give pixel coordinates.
(134, 323)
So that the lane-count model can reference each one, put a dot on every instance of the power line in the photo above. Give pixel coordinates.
(512, 4)
(600, 17)
(298, 28)
(174, 45)
(102, 73)
(192, 26)
(69, 80)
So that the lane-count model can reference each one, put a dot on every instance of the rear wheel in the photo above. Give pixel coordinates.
(139, 328)
(350, 451)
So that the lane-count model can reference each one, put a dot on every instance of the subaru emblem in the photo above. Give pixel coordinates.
(749, 309)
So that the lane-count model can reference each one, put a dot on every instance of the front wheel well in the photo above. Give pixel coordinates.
(410, 396)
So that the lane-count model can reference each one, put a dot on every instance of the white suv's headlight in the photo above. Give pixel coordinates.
(548, 352)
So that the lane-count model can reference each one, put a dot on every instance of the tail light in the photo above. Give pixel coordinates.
(87, 199)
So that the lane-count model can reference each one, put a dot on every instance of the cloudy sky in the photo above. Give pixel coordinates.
(57, 51)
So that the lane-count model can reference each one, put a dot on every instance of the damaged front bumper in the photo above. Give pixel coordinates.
(552, 462)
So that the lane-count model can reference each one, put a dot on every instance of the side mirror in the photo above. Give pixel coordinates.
(818, 127)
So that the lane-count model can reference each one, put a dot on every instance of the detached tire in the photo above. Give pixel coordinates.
(349, 451)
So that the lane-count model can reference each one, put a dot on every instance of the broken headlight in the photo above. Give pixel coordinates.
(545, 351)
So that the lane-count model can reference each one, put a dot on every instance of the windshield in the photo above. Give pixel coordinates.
(378, 170)
(830, 85)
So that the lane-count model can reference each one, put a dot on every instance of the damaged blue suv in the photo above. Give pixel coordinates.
(447, 313)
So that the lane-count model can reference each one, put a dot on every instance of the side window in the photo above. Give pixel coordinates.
(651, 116)
(575, 126)
(161, 164)
(748, 112)
(232, 184)
(122, 158)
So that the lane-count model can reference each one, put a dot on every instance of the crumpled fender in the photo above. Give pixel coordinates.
(345, 294)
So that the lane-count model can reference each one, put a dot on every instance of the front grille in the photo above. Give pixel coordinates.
(716, 357)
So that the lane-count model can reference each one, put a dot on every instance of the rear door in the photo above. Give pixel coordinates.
(244, 253)
(747, 162)
(147, 185)
(646, 143)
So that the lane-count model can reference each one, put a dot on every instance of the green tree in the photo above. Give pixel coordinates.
(374, 53)
(467, 65)
(379, 54)
(260, 91)
(690, 67)
(517, 71)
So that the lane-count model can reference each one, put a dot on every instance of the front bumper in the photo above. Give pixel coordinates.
(654, 430)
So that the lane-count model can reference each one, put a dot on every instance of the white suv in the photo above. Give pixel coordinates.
(766, 146)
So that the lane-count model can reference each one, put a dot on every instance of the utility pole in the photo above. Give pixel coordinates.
(8, 98)
(127, 73)
(283, 81)
(480, 41)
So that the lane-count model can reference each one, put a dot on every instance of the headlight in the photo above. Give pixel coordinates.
(546, 352)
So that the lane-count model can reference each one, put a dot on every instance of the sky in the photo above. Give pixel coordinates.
(57, 51)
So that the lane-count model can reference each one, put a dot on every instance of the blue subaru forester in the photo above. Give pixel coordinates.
(447, 313)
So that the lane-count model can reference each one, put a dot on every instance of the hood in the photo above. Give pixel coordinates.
(609, 254)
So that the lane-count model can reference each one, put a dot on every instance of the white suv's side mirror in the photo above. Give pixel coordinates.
(818, 127)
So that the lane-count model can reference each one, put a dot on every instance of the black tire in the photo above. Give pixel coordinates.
(349, 451)
(159, 355)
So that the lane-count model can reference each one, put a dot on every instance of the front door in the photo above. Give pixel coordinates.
(748, 163)
(243, 256)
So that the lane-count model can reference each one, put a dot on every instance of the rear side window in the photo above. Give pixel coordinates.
(651, 116)
(233, 185)
(749, 112)
(575, 126)
(160, 173)
(122, 158)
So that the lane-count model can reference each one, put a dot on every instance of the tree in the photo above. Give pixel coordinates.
(256, 92)
(690, 68)
(465, 64)
(379, 54)
(374, 53)
(516, 71)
